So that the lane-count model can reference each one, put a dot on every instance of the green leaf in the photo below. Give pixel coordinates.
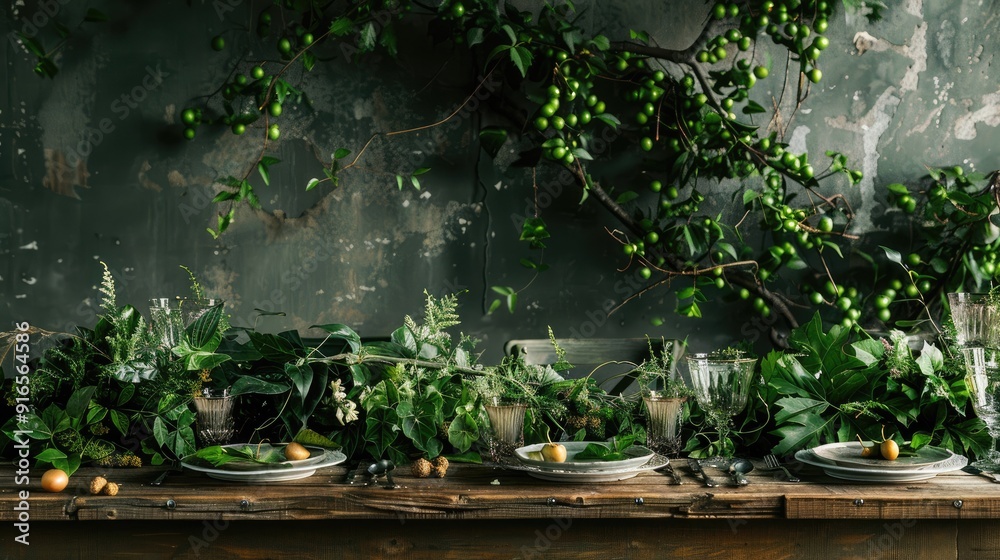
(474, 36)
(420, 419)
(366, 41)
(32, 45)
(601, 43)
(49, 455)
(492, 138)
(930, 360)
(248, 384)
(611, 120)
(301, 377)
(510, 33)
(521, 57)
(341, 26)
(626, 197)
(201, 360)
(898, 188)
(381, 429)
(403, 336)
(272, 347)
(892, 254)
(343, 332)
(308, 60)
(204, 330)
(120, 421)
(638, 35)
(79, 402)
(752, 107)
(494, 306)
(312, 184)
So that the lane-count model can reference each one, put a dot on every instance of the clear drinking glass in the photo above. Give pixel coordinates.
(214, 415)
(506, 429)
(663, 423)
(976, 320)
(721, 385)
(983, 379)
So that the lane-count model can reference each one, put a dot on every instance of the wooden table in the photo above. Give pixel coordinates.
(477, 512)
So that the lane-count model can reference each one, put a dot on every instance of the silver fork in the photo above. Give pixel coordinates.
(772, 463)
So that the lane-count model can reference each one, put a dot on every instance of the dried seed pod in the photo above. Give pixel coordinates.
(97, 484)
(440, 466)
(421, 468)
(110, 489)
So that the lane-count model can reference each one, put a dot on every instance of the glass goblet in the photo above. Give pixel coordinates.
(983, 379)
(722, 385)
(976, 320)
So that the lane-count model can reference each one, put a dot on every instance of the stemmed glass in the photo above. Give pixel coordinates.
(977, 327)
(721, 384)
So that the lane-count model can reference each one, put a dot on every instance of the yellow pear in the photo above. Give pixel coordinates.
(554, 452)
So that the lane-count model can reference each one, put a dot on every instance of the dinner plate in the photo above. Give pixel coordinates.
(872, 474)
(636, 456)
(593, 475)
(275, 472)
(848, 454)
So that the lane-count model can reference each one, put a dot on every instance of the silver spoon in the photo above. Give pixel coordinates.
(738, 470)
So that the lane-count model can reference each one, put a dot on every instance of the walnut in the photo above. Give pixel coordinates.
(440, 466)
(111, 489)
(421, 468)
(97, 484)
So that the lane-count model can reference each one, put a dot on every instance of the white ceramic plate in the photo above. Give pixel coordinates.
(277, 472)
(868, 474)
(848, 454)
(605, 475)
(636, 456)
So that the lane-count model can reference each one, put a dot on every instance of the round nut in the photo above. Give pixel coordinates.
(111, 489)
(97, 484)
(421, 468)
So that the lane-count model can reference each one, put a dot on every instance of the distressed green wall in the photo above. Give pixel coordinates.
(915, 89)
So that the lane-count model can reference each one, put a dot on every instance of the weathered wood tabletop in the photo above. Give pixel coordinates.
(483, 512)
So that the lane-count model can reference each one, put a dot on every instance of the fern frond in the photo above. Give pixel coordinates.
(196, 289)
(108, 303)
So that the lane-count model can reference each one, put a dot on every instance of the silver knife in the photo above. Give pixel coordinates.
(695, 467)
